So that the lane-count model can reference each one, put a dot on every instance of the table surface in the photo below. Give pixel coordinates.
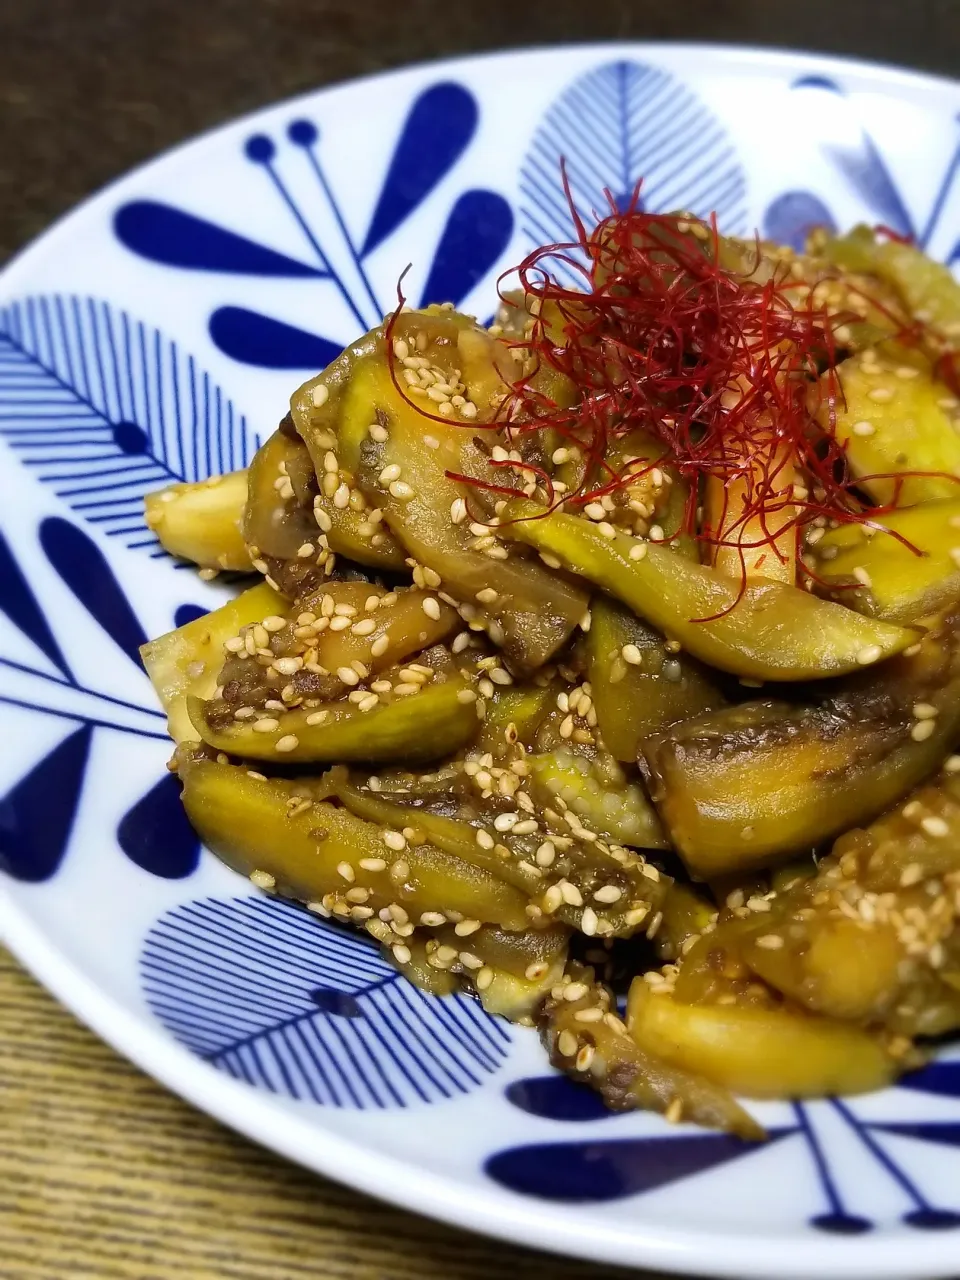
(104, 1173)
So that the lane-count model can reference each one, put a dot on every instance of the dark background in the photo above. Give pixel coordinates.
(90, 87)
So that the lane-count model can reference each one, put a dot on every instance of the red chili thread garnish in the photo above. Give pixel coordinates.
(718, 363)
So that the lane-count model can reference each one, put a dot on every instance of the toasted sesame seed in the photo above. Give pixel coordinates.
(401, 953)
(869, 653)
(863, 428)
(345, 870)
(463, 928)
(674, 1111)
(952, 764)
(922, 730)
(934, 826)
(263, 879)
(585, 1057)
(638, 551)
(289, 742)
(379, 646)
(389, 473)
(373, 864)
(545, 854)
(431, 608)
(608, 893)
(268, 724)
(924, 711)
(394, 840)
(567, 1044)
(770, 942)
(320, 395)
(552, 899)
(881, 395)
(862, 576)
(631, 654)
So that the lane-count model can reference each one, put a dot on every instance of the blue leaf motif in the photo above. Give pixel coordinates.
(437, 131)
(556, 1098)
(477, 232)
(275, 997)
(581, 1172)
(256, 339)
(859, 160)
(615, 125)
(156, 834)
(84, 568)
(791, 217)
(104, 409)
(20, 605)
(188, 613)
(163, 234)
(37, 815)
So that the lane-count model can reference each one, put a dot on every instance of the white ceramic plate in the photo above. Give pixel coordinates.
(156, 334)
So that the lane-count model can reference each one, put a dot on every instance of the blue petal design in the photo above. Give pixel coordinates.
(188, 613)
(173, 238)
(437, 131)
(928, 1131)
(20, 605)
(556, 1098)
(861, 162)
(581, 1172)
(286, 1002)
(790, 218)
(36, 817)
(256, 339)
(615, 125)
(84, 568)
(941, 1078)
(477, 232)
(104, 409)
(156, 833)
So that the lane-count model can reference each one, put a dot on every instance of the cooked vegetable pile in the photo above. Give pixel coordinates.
(606, 660)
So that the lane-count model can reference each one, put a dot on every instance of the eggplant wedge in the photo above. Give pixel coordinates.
(313, 850)
(759, 629)
(187, 662)
(751, 785)
(902, 575)
(645, 692)
(438, 720)
(202, 522)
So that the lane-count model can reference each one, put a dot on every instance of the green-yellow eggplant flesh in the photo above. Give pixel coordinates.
(647, 694)
(751, 785)
(901, 578)
(761, 629)
(315, 851)
(202, 522)
(187, 662)
(438, 720)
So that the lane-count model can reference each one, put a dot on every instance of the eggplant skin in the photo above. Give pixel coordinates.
(749, 786)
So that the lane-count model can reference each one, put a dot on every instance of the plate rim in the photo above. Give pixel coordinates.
(888, 1254)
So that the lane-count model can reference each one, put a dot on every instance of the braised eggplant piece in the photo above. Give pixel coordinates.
(759, 1052)
(585, 1037)
(759, 629)
(902, 572)
(599, 794)
(750, 785)
(202, 522)
(188, 662)
(321, 854)
(440, 718)
(886, 410)
(640, 686)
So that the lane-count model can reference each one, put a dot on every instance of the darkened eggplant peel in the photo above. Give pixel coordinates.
(553, 711)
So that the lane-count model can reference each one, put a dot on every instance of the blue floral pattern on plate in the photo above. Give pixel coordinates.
(97, 407)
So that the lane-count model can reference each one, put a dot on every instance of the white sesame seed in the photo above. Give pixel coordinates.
(348, 675)
(567, 1044)
(389, 474)
(863, 428)
(368, 702)
(923, 730)
(862, 576)
(925, 711)
(289, 742)
(869, 653)
(881, 395)
(631, 654)
(345, 870)
(466, 695)
(952, 764)
(484, 839)
(394, 840)
(608, 893)
(638, 551)
(431, 608)
(320, 395)
(263, 879)
(770, 942)
(934, 826)
(268, 724)
(458, 510)
(364, 627)
(318, 717)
